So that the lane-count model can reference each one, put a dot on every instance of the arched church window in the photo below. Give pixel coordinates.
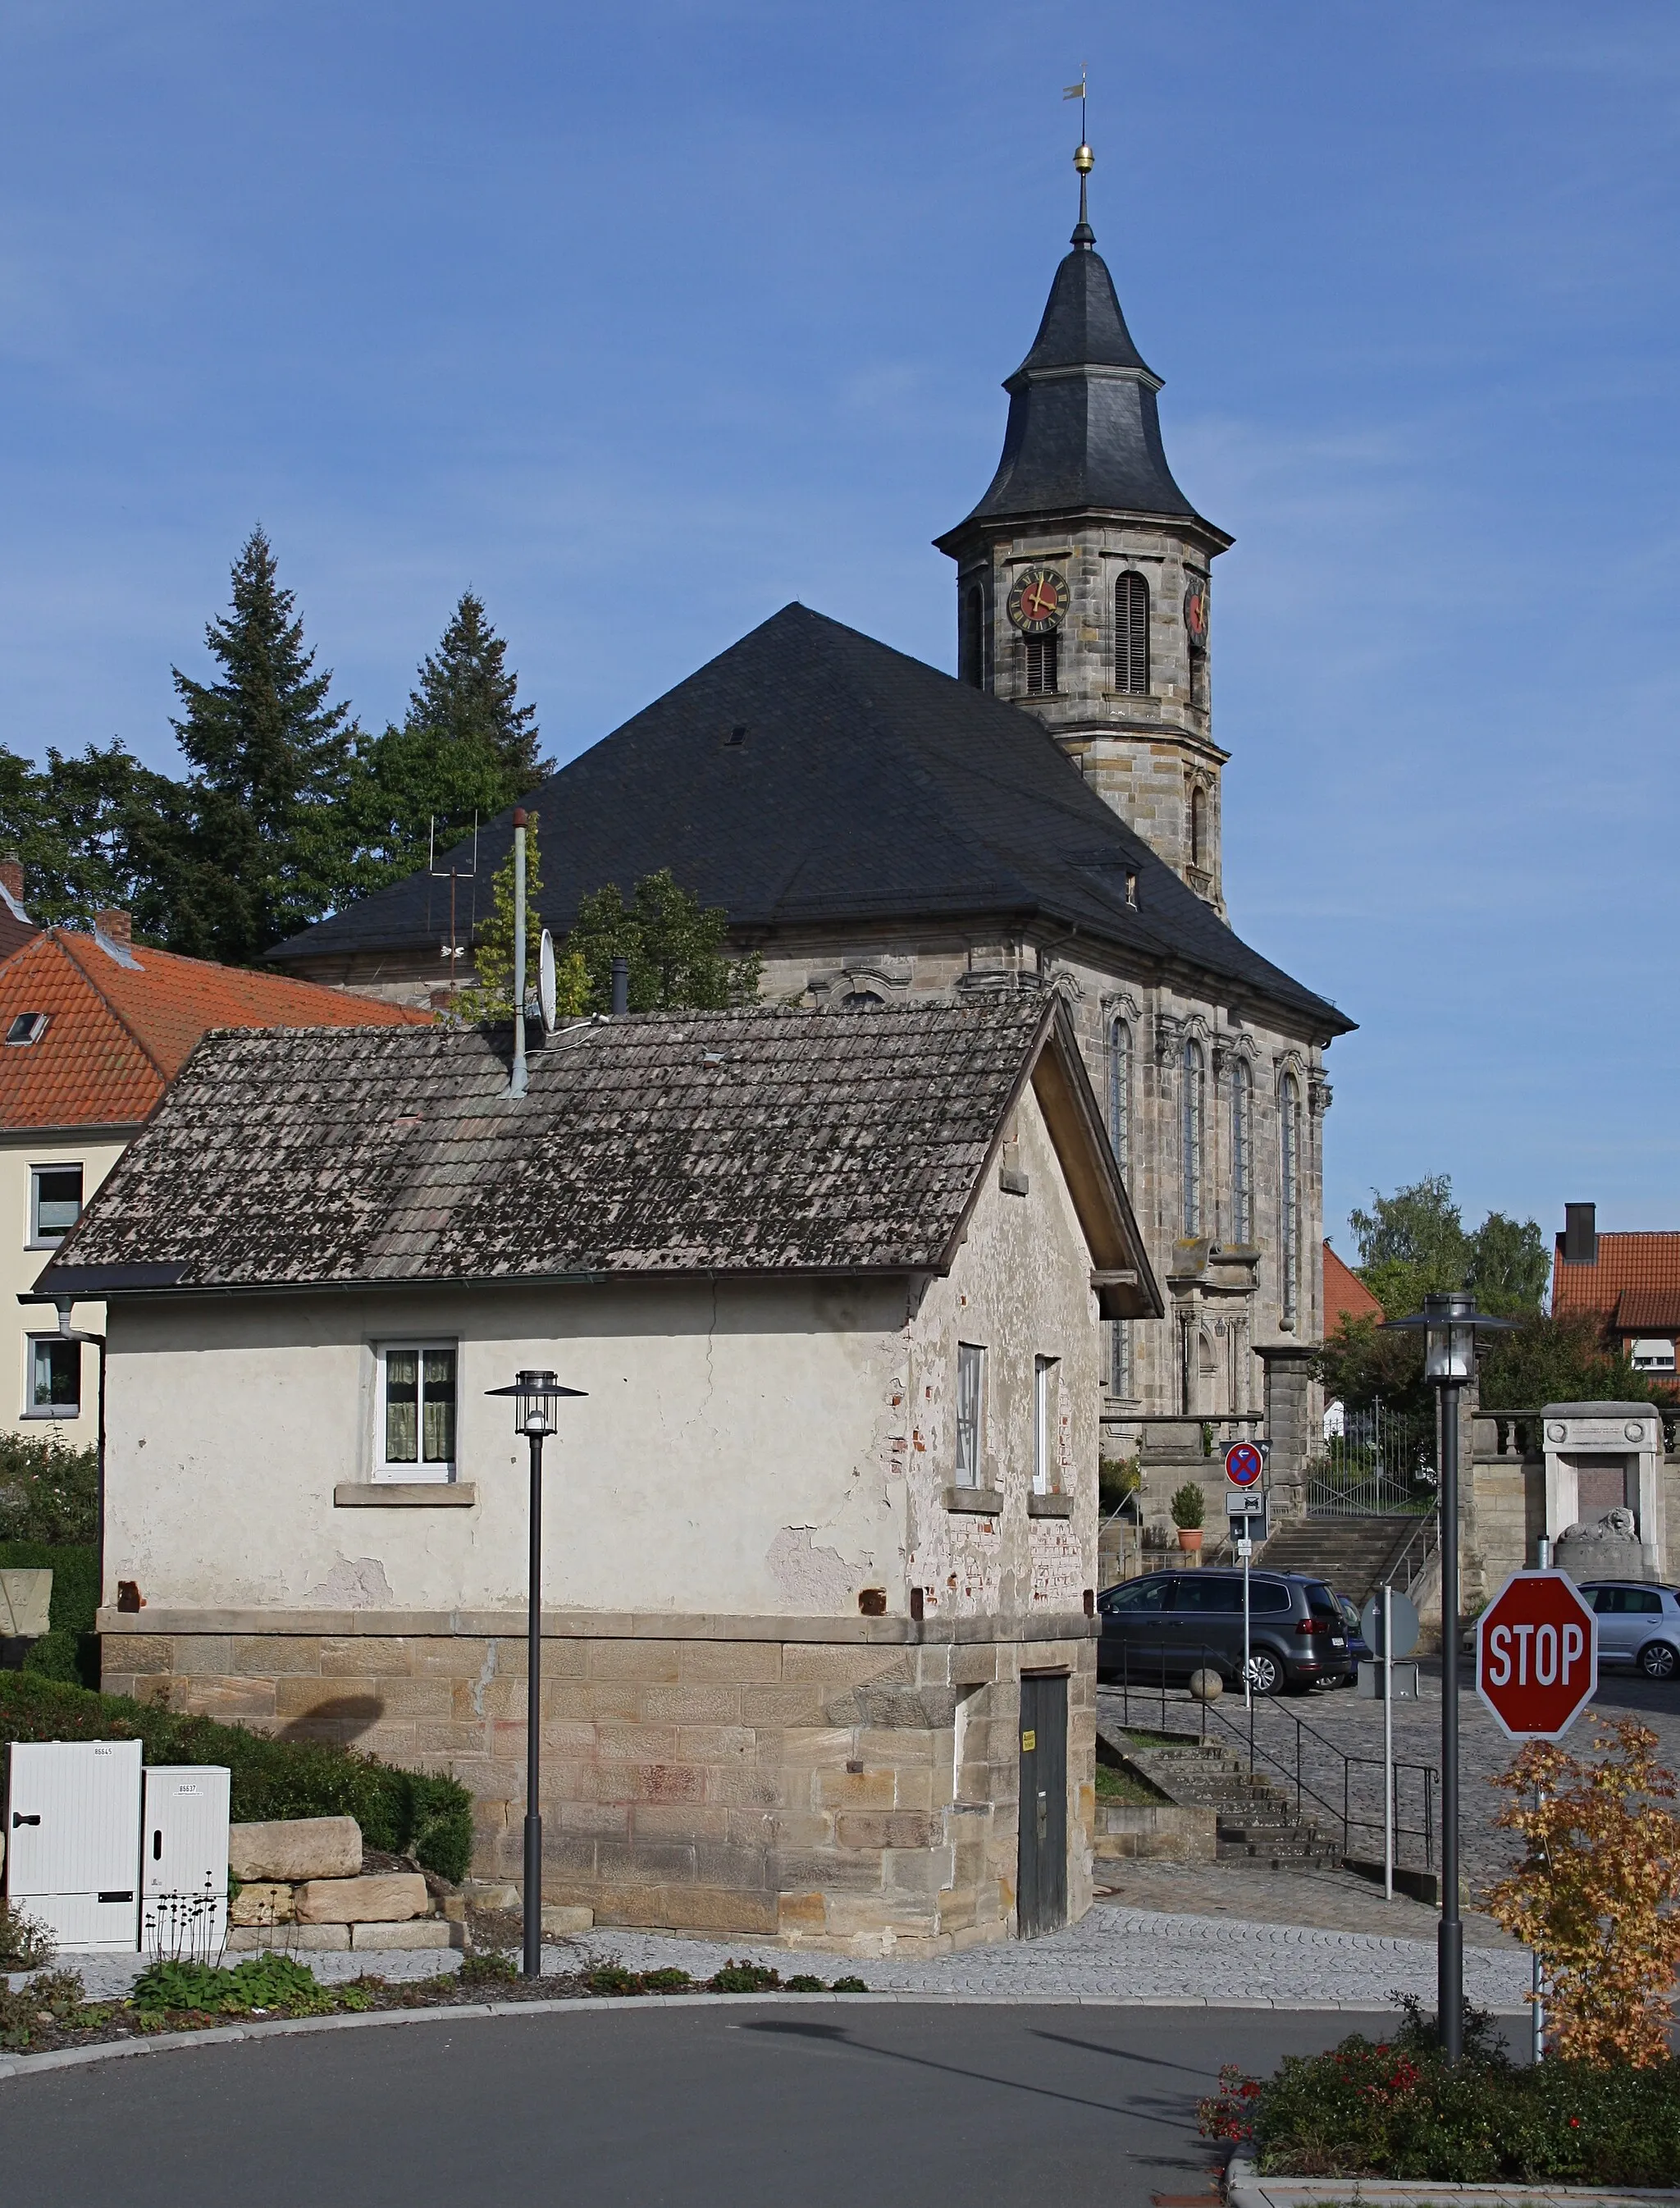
(1120, 1093)
(1040, 665)
(1289, 1192)
(1131, 635)
(860, 1000)
(1198, 826)
(974, 638)
(1192, 1138)
(1242, 1150)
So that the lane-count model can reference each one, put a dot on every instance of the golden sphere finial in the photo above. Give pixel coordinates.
(1084, 160)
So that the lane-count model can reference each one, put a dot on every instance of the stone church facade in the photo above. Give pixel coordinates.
(1084, 594)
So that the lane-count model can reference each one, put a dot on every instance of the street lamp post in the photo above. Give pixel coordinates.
(1448, 1324)
(536, 1402)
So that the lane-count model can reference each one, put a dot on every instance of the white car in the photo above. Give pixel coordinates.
(1638, 1624)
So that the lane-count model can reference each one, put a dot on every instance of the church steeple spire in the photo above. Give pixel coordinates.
(1084, 160)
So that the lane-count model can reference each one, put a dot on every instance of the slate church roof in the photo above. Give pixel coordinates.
(811, 778)
(763, 1140)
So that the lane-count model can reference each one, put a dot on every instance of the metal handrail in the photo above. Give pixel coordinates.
(1429, 1533)
(1345, 1816)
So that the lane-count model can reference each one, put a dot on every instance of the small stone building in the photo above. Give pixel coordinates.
(820, 1534)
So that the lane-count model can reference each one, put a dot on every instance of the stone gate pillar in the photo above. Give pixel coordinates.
(1289, 1427)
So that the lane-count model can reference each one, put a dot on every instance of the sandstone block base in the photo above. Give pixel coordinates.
(385, 1899)
(288, 1940)
(414, 1932)
(261, 1904)
(298, 1848)
(846, 1785)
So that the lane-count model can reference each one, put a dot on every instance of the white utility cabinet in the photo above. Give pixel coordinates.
(183, 1860)
(72, 1839)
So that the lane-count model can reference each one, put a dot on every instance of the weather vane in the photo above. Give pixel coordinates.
(1084, 160)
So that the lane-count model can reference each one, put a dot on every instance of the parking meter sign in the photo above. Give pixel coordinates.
(1537, 1655)
(1244, 1465)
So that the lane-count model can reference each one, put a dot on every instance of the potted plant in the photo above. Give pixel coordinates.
(1186, 1508)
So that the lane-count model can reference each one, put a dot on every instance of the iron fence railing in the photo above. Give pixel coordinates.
(1376, 1465)
(1416, 1783)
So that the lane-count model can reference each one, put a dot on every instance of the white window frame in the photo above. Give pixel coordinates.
(1044, 1416)
(37, 1240)
(32, 1409)
(415, 1470)
(969, 1471)
(1643, 1359)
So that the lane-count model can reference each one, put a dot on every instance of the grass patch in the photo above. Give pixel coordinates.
(1113, 1785)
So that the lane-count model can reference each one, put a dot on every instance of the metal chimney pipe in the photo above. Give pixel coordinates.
(516, 1085)
(620, 987)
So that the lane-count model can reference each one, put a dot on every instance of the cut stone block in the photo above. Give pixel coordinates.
(416, 1932)
(295, 1848)
(288, 1940)
(558, 1918)
(387, 1898)
(261, 1904)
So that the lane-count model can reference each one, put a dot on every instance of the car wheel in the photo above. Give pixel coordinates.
(1658, 1660)
(1265, 1673)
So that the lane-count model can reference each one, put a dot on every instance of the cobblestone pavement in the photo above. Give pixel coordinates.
(1121, 1953)
(1327, 1900)
(1329, 1722)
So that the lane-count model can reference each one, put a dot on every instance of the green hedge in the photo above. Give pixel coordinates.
(407, 1812)
(70, 1651)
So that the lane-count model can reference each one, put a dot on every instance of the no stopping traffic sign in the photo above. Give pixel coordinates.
(1243, 1464)
(1537, 1655)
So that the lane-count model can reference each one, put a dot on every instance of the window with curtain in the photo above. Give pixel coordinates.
(1289, 1196)
(417, 1412)
(971, 1391)
(1192, 1138)
(974, 638)
(1242, 1146)
(1131, 635)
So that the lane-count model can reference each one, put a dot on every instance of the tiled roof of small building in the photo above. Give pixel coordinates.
(1345, 1295)
(1648, 1311)
(118, 1033)
(760, 1140)
(1629, 1265)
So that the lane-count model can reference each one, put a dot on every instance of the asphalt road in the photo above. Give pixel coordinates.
(745, 2106)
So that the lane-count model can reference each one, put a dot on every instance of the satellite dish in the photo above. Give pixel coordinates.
(545, 980)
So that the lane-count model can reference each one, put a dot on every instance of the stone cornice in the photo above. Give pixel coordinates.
(599, 1625)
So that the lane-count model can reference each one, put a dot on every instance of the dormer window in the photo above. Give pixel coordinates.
(27, 1027)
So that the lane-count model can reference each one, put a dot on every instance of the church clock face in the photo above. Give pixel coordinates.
(1039, 601)
(1195, 612)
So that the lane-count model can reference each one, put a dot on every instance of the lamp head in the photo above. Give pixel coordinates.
(536, 1397)
(1450, 1324)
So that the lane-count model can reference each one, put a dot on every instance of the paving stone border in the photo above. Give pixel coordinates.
(1246, 2188)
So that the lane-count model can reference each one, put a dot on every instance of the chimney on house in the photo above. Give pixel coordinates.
(11, 884)
(115, 926)
(1580, 1233)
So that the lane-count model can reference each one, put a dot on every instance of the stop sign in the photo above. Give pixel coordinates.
(1537, 1655)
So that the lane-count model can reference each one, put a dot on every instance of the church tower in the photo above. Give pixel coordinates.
(1083, 575)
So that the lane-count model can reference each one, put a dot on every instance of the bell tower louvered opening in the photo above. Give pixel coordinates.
(1040, 665)
(974, 639)
(1131, 635)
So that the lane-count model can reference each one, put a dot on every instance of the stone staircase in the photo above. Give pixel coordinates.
(1256, 1824)
(1352, 1554)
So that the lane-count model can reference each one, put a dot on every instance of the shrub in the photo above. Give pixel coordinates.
(1595, 1893)
(414, 1813)
(849, 1986)
(69, 1650)
(56, 1998)
(48, 1492)
(25, 1945)
(744, 1978)
(1395, 2110)
(266, 1982)
(1187, 1506)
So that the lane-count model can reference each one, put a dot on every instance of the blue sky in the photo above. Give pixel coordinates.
(644, 319)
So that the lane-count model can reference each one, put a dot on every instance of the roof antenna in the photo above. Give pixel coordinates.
(1084, 160)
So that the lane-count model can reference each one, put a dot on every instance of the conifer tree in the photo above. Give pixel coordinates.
(256, 844)
(467, 749)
